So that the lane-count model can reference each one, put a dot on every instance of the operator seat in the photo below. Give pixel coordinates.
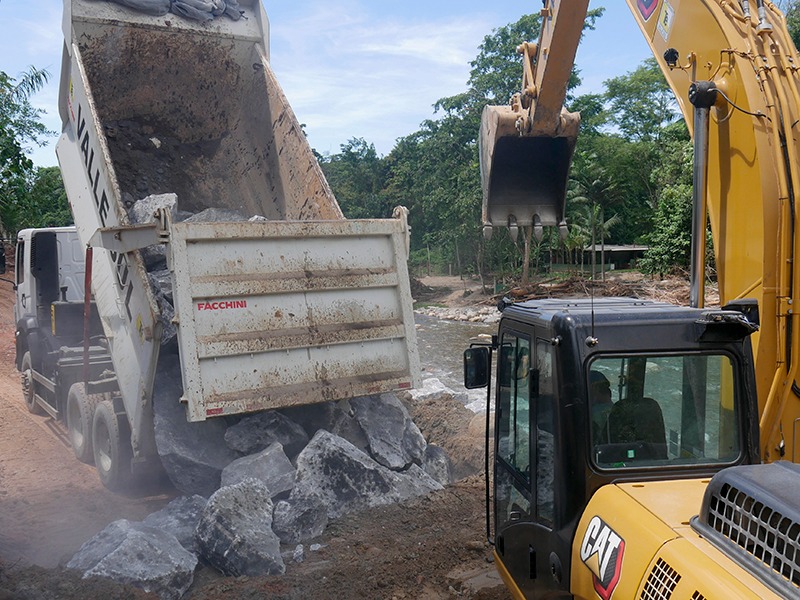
(639, 421)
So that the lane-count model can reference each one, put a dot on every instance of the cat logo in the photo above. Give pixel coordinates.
(601, 552)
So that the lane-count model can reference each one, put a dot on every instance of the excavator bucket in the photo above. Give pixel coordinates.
(524, 176)
(526, 147)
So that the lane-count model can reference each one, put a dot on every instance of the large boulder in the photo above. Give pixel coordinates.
(394, 440)
(193, 454)
(348, 480)
(135, 554)
(235, 531)
(254, 433)
(270, 466)
(180, 518)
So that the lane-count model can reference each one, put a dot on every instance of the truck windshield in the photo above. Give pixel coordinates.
(663, 410)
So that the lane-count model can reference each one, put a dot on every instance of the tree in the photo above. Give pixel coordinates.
(19, 127)
(641, 103)
(46, 202)
(358, 176)
(598, 191)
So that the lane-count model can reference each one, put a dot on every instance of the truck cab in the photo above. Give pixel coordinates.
(49, 266)
(591, 393)
(49, 316)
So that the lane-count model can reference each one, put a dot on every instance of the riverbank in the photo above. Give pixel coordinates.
(465, 299)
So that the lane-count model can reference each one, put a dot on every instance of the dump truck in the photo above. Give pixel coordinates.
(244, 266)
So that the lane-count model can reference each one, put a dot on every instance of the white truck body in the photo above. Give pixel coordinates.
(300, 308)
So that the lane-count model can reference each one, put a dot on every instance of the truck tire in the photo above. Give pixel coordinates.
(112, 448)
(27, 386)
(80, 416)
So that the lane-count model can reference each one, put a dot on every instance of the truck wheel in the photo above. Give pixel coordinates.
(27, 386)
(80, 414)
(112, 448)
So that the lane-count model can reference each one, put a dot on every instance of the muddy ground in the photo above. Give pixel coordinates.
(50, 504)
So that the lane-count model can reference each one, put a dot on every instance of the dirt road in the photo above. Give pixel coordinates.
(429, 548)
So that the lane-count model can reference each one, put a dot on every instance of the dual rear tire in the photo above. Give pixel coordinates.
(99, 435)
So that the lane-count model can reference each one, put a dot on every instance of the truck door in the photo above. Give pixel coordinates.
(525, 460)
(24, 305)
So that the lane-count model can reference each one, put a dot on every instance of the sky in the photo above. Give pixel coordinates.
(368, 69)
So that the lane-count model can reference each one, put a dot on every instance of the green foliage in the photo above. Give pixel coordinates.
(19, 127)
(627, 174)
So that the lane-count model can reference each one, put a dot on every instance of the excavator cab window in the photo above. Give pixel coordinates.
(663, 410)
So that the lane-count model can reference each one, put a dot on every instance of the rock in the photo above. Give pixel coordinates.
(235, 531)
(337, 417)
(394, 440)
(437, 464)
(256, 432)
(348, 480)
(193, 454)
(446, 422)
(161, 283)
(216, 215)
(180, 518)
(138, 555)
(299, 554)
(303, 518)
(270, 466)
(144, 210)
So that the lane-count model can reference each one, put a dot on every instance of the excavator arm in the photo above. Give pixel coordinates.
(527, 146)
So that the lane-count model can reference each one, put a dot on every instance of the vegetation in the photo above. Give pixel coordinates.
(29, 197)
(628, 182)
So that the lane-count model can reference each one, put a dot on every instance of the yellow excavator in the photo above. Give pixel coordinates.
(644, 450)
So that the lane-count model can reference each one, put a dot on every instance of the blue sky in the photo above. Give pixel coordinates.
(350, 68)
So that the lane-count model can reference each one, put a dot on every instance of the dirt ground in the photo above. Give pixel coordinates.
(428, 548)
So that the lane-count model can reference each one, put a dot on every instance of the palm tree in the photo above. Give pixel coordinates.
(599, 191)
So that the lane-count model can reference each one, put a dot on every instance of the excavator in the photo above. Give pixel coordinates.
(641, 449)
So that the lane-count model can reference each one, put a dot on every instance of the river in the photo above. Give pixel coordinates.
(441, 348)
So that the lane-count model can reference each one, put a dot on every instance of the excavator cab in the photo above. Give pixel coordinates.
(526, 147)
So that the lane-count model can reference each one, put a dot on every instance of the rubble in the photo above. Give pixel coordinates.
(145, 557)
(180, 518)
(254, 433)
(394, 441)
(304, 518)
(193, 454)
(271, 466)
(235, 531)
(348, 480)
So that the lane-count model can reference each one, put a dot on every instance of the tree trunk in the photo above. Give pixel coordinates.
(527, 233)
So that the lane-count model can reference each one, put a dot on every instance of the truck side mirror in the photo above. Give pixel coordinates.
(476, 368)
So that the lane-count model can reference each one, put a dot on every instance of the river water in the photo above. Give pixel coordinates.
(441, 349)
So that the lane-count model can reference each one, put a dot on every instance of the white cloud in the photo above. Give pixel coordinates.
(347, 75)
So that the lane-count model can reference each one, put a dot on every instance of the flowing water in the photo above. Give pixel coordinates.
(441, 349)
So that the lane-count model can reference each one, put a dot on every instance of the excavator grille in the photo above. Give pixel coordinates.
(661, 582)
(751, 514)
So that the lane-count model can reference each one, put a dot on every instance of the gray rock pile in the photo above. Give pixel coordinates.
(270, 478)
